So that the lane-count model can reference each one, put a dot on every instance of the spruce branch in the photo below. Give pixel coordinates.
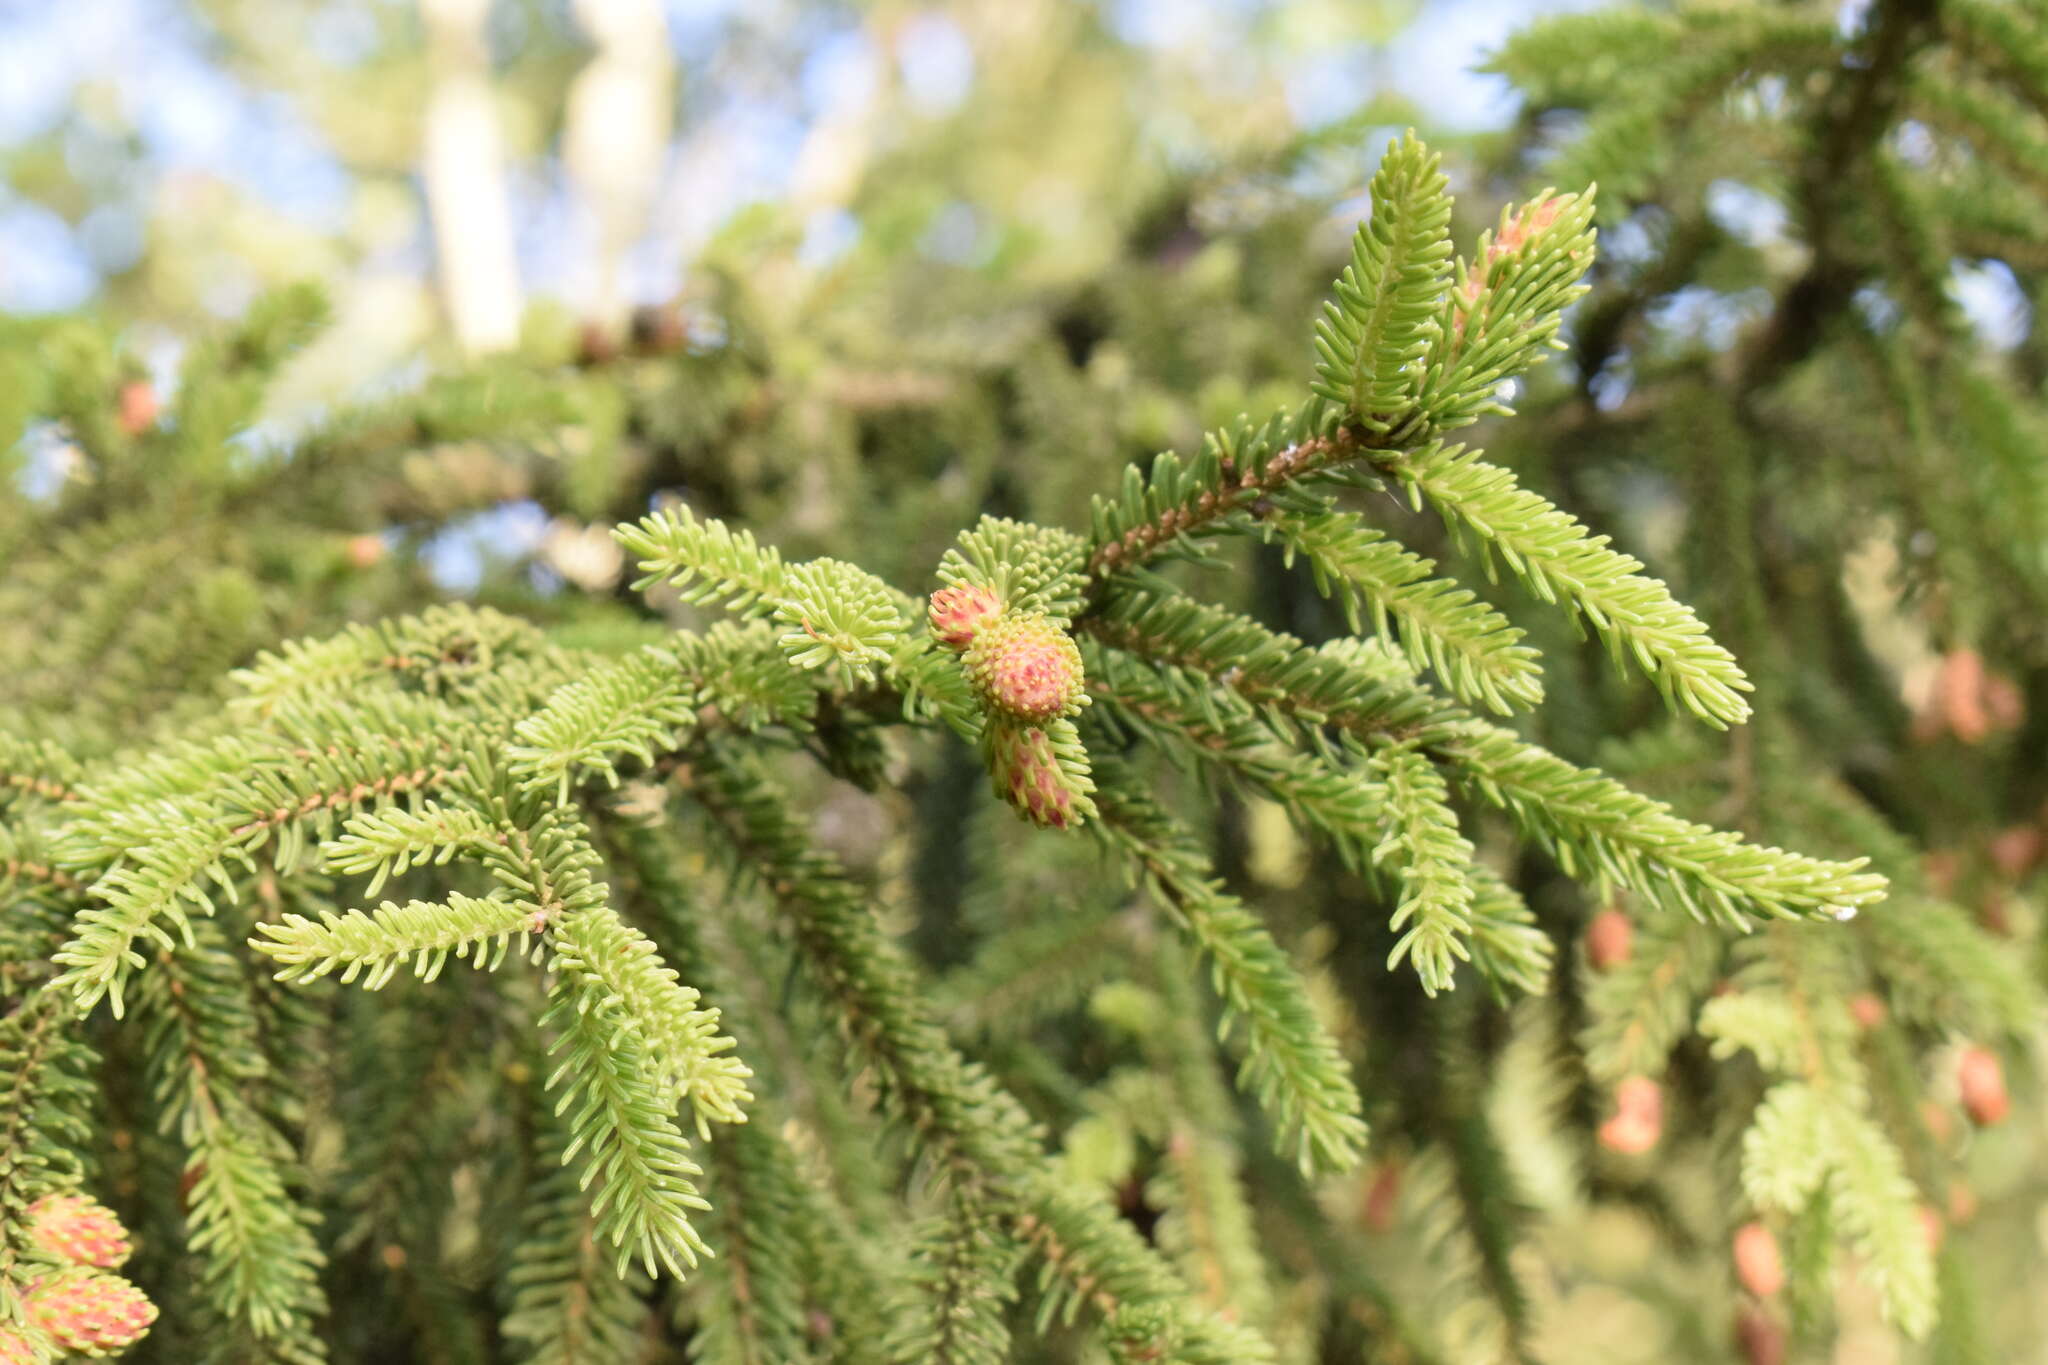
(1430, 859)
(836, 615)
(1382, 318)
(1561, 564)
(618, 1117)
(613, 962)
(1292, 1066)
(1470, 646)
(375, 945)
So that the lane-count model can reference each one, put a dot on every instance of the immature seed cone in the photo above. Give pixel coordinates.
(1638, 1120)
(1867, 1010)
(1028, 774)
(78, 1229)
(1026, 667)
(1931, 1228)
(958, 613)
(1757, 1262)
(1982, 1081)
(14, 1350)
(89, 1314)
(1610, 938)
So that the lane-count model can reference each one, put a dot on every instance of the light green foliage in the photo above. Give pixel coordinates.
(960, 1085)
(1376, 330)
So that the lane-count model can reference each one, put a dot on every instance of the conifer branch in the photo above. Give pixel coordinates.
(260, 1259)
(1373, 334)
(1429, 857)
(1471, 646)
(1292, 1066)
(375, 945)
(618, 1118)
(1554, 557)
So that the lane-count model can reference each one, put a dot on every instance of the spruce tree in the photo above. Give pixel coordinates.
(980, 889)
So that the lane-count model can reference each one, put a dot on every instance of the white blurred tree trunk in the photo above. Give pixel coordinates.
(462, 162)
(615, 141)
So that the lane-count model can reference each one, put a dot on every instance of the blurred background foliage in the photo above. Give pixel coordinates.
(855, 274)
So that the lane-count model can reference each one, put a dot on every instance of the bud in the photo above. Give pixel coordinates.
(1981, 1079)
(1760, 1338)
(14, 1350)
(1757, 1262)
(1638, 1120)
(1610, 938)
(364, 551)
(956, 614)
(137, 407)
(1026, 667)
(1028, 775)
(1867, 1010)
(89, 1314)
(1931, 1230)
(78, 1229)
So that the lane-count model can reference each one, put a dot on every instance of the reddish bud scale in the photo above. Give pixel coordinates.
(1028, 775)
(89, 1314)
(1981, 1079)
(957, 614)
(78, 1229)
(1610, 939)
(1757, 1262)
(1026, 667)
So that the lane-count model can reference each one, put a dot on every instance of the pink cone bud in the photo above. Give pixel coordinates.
(1610, 938)
(14, 1350)
(1026, 667)
(1028, 775)
(1638, 1120)
(137, 407)
(1982, 1082)
(1757, 1262)
(958, 613)
(89, 1314)
(78, 1229)
(1867, 1010)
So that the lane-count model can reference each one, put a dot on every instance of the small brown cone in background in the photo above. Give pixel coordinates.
(137, 407)
(1759, 1337)
(364, 551)
(1981, 1080)
(1867, 1010)
(595, 345)
(1610, 939)
(1638, 1120)
(2015, 849)
(1968, 701)
(1757, 1262)
(1381, 1197)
